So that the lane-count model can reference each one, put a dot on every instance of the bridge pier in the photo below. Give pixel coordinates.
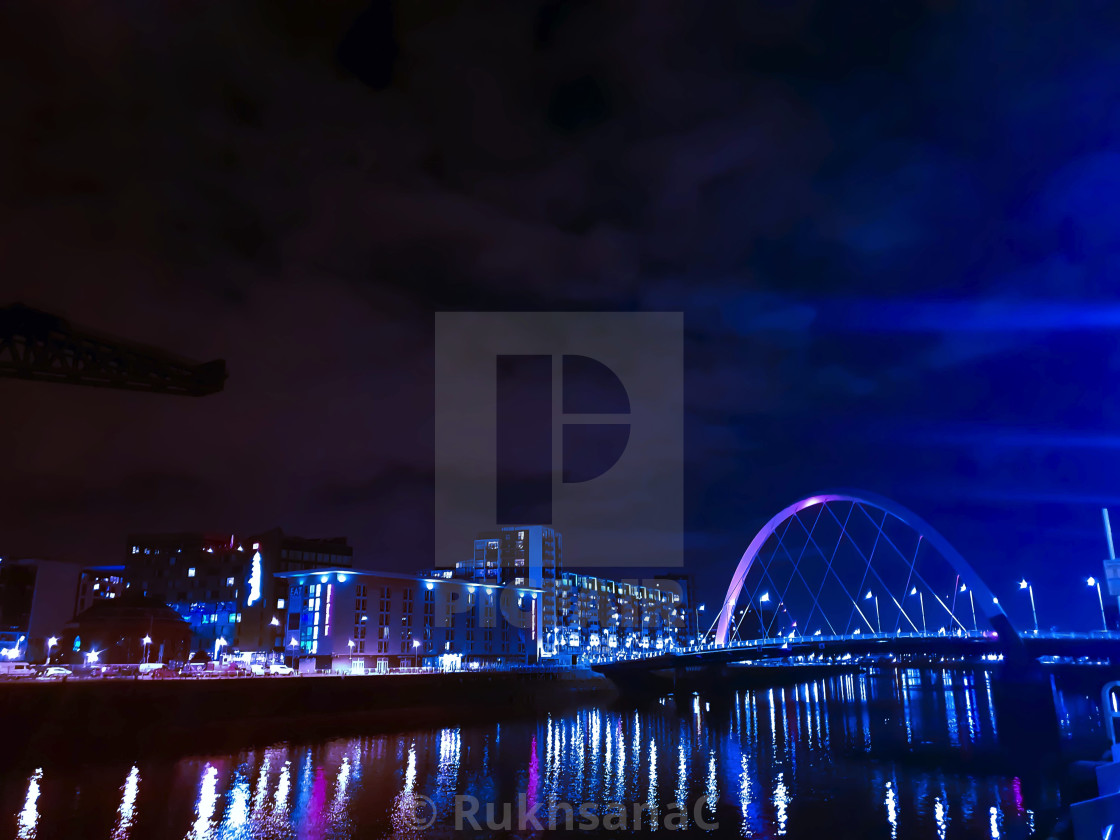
(1026, 714)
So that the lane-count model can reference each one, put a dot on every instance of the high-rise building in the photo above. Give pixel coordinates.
(37, 598)
(225, 584)
(517, 556)
(99, 583)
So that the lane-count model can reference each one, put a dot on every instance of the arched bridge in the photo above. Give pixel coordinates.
(848, 562)
(852, 573)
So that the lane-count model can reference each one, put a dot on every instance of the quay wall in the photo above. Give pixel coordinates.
(127, 716)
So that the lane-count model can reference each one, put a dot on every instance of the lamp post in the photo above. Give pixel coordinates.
(1023, 584)
(922, 601)
(700, 639)
(878, 621)
(219, 643)
(972, 603)
(146, 641)
(1100, 598)
(51, 642)
(294, 645)
(350, 644)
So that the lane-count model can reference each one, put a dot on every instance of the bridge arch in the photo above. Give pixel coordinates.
(981, 599)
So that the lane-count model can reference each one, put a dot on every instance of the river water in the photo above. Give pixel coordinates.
(891, 755)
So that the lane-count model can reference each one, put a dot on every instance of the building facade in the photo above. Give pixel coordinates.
(99, 583)
(130, 630)
(360, 621)
(225, 585)
(37, 598)
(602, 617)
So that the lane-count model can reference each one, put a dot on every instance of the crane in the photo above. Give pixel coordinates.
(41, 347)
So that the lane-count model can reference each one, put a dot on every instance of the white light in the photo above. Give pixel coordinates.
(964, 588)
(293, 642)
(92, 656)
(1092, 581)
(1023, 584)
(254, 581)
(429, 585)
(765, 598)
(52, 641)
(914, 591)
(341, 578)
(147, 640)
(275, 622)
(350, 644)
(416, 643)
(867, 597)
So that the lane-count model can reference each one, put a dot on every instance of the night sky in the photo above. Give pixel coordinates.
(891, 227)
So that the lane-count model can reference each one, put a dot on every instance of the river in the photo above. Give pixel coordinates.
(891, 755)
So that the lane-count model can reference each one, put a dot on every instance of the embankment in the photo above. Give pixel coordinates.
(57, 720)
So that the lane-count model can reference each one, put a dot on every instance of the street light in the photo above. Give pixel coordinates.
(1030, 591)
(146, 641)
(275, 622)
(219, 643)
(922, 601)
(51, 642)
(878, 621)
(350, 644)
(972, 602)
(699, 639)
(1094, 582)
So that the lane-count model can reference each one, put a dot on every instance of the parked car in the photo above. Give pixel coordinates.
(16, 670)
(54, 672)
(280, 670)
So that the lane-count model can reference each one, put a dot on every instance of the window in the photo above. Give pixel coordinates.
(190, 572)
(229, 581)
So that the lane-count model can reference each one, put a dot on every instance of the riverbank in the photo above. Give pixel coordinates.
(57, 720)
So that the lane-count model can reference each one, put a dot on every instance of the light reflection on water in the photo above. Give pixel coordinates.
(826, 758)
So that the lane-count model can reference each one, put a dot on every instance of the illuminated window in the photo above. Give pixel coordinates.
(279, 603)
(229, 581)
(190, 572)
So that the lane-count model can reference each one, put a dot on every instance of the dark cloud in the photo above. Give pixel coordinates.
(873, 215)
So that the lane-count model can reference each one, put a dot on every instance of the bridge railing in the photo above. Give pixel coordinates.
(801, 641)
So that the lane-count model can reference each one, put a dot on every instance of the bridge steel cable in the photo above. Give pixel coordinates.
(861, 616)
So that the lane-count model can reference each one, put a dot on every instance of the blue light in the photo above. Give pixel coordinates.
(429, 585)
(341, 578)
